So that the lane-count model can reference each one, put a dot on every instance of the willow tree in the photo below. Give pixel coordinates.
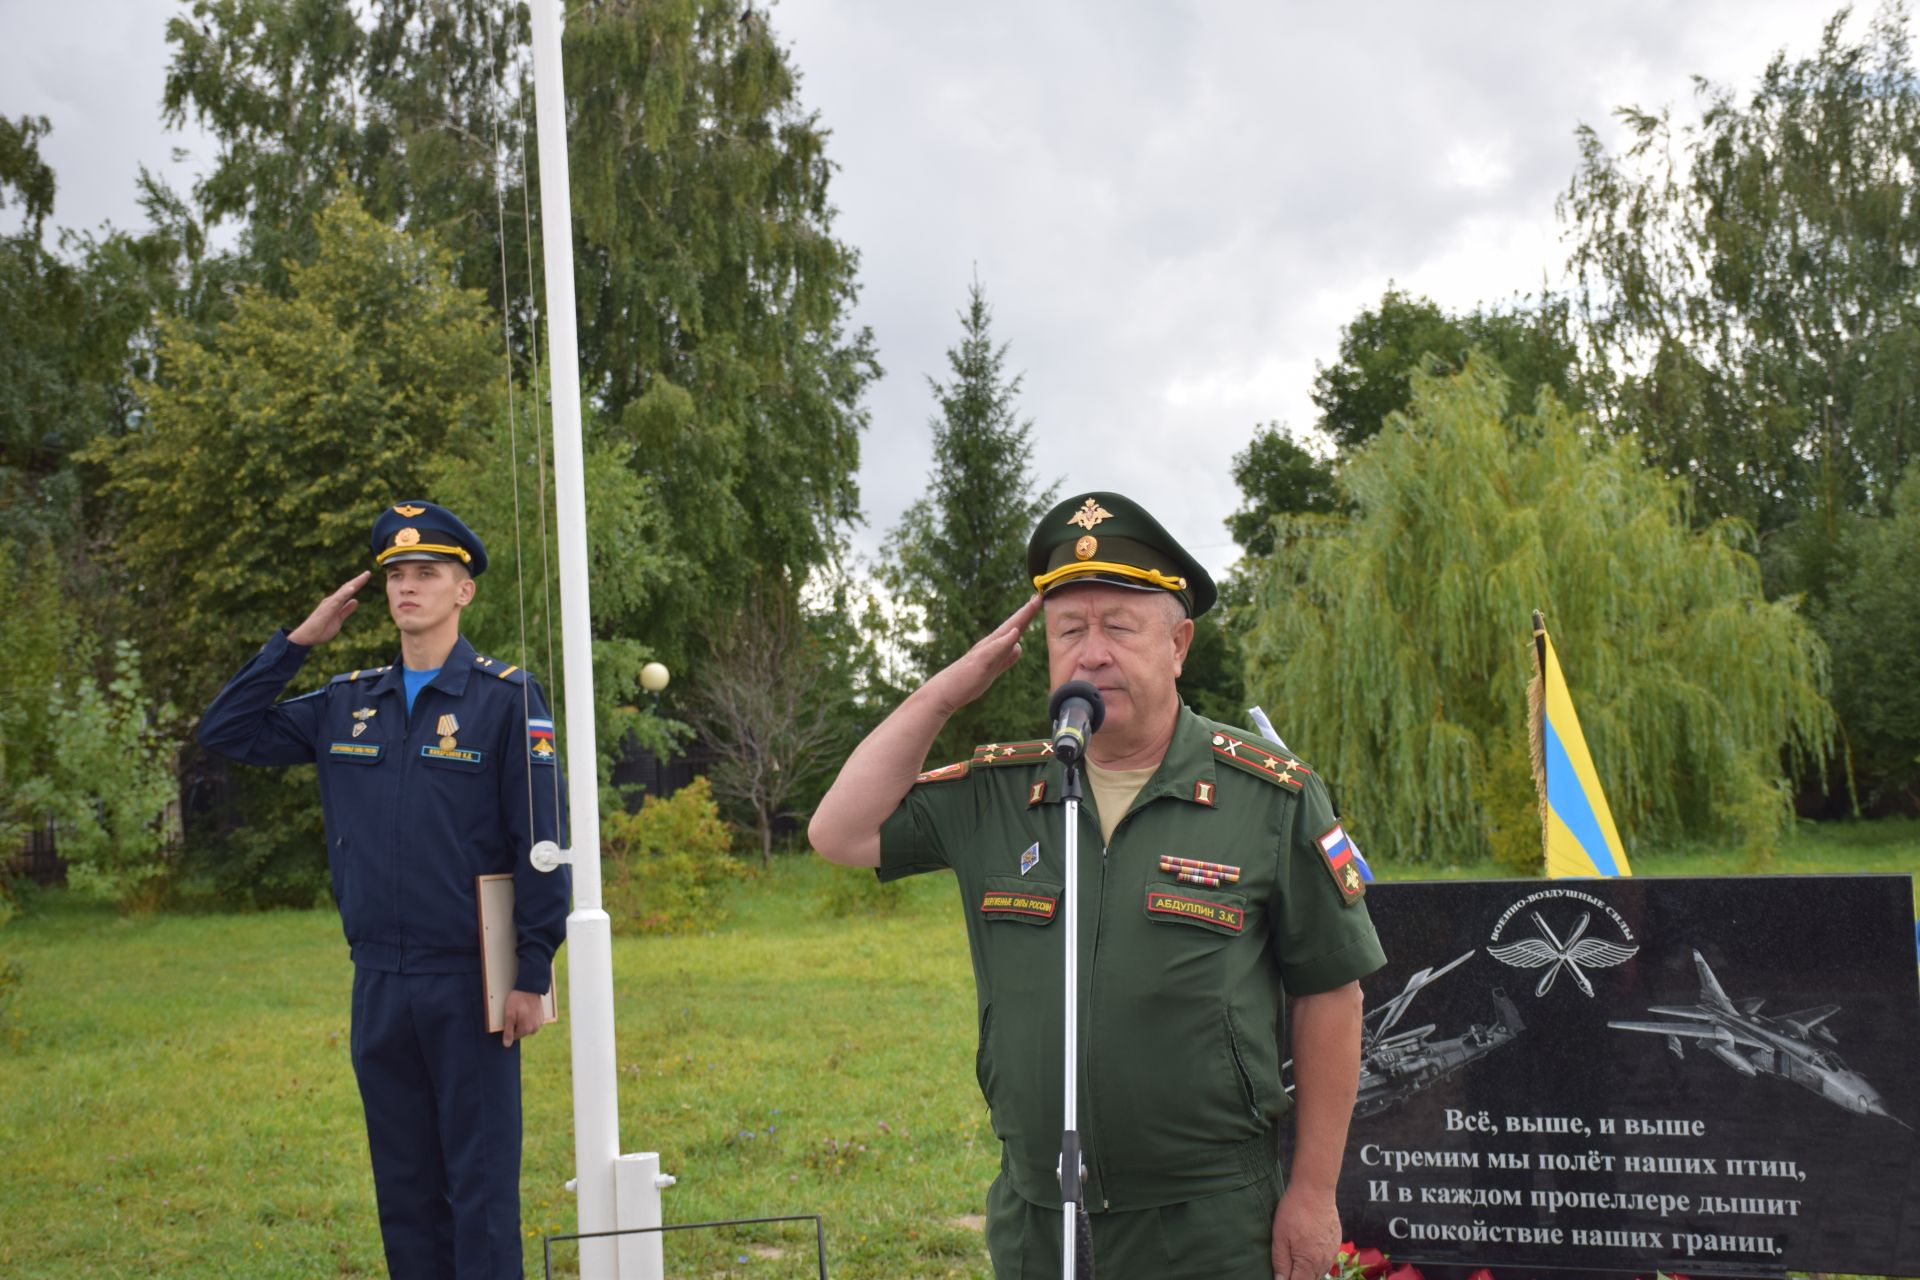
(1391, 644)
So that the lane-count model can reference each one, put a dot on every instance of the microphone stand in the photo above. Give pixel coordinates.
(1074, 1227)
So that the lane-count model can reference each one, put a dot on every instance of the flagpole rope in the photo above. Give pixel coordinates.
(539, 435)
(513, 433)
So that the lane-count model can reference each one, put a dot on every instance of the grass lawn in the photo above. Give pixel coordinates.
(176, 1097)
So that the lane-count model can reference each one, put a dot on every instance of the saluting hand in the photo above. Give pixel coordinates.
(973, 672)
(324, 623)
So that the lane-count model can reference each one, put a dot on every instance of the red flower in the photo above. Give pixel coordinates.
(1481, 1274)
(1405, 1271)
(1372, 1263)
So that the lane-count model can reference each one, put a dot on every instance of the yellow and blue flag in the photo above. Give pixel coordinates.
(1577, 826)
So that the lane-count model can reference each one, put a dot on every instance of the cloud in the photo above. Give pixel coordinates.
(1174, 208)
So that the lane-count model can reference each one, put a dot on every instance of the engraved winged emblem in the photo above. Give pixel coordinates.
(1548, 952)
(1089, 514)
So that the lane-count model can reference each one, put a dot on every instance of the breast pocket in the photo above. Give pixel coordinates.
(459, 759)
(1193, 908)
(350, 752)
(1020, 901)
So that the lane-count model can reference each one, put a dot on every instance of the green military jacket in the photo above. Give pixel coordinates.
(1182, 985)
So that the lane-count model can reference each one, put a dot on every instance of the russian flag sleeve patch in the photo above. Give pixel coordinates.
(1342, 861)
(540, 741)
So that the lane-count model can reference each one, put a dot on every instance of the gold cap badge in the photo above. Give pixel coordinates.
(1090, 514)
(407, 537)
(410, 511)
(1087, 545)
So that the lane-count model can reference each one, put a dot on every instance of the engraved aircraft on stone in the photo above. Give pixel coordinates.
(1395, 1065)
(1752, 1044)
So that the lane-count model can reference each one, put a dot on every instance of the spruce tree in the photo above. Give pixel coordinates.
(957, 560)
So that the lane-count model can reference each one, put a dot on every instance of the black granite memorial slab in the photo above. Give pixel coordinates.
(1706, 1076)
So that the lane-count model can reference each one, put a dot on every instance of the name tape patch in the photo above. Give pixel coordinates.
(1006, 903)
(1161, 902)
(356, 750)
(459, 755)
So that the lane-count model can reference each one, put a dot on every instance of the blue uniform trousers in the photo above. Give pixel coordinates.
(442, 1098)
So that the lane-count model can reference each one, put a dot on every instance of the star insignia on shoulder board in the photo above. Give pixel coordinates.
(990, 757)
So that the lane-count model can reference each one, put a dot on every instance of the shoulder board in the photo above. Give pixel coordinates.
(302, 697)
(990, 754)
(1259, 757)
(945, 773)
(503, 670)
(364, 673)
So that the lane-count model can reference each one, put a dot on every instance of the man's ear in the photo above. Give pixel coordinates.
(463, 595)
(1182, 643)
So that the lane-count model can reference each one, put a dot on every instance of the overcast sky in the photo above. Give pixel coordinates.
(1173, 207)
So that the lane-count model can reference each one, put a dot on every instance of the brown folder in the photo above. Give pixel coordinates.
(499, 954)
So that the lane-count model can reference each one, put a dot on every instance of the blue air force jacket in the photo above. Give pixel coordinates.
(416, 806)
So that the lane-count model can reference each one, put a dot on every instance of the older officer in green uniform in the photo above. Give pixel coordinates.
(1217, 898)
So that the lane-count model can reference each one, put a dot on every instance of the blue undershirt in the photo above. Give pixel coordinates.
(415, 682)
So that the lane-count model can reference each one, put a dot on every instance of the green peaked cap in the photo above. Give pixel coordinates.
(1110, 538)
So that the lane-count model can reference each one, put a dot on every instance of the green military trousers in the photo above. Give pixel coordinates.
(1223, 1237)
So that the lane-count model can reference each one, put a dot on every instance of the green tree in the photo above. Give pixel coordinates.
(493, 477)
(1277, 475)
(765, 700)
(1381, 350)
(67, 321)
(82, 750)
(1749, 283)
(958, 558)
(714, 295)
(1383, 347)
(268, 439)
(40, 632)
(110, 788)
(246, 494)
(1871, 620)
(1400, 632)
(410, 103)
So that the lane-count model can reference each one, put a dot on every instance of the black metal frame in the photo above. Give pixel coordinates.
(819, 1235)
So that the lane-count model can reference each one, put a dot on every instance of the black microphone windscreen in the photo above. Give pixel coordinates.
(1083, 690)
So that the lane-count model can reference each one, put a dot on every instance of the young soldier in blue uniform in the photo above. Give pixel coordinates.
(1217, 903)
(434, 770)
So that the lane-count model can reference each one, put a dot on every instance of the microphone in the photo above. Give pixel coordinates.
(1076, 712)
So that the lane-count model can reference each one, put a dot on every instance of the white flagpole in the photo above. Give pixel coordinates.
(612, 1191)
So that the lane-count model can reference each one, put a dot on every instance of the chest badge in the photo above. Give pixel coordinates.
(361, 716)
(448, 726)
(1030, 858)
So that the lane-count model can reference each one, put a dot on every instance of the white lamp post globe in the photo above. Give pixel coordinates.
(653, 677)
